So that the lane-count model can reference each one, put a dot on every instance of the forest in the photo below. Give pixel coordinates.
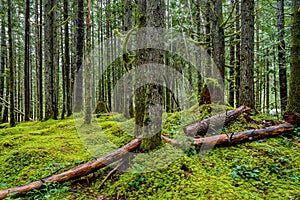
(150, 99)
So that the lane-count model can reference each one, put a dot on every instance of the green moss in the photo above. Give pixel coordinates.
(256, 170)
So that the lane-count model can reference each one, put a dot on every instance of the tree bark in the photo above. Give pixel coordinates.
(281, 54)
(237, 54)
(218, 43)
(200, 128)
(292, 118)
(2, 59)
(154, 104)
(26, 63)
(11, 66)
(87, 71)
(294, 92)
(247, 54)
(78, 98)
(79, 171)
(237, 137)
(50, 58)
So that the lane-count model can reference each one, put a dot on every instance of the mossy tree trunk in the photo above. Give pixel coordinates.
(128, 104)
(140, 59)
(237, 54)
(294, 90)
(154, 106)
(217, 34)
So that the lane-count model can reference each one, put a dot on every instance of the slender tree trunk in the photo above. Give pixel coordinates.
(40, 70)
(26, 62)
(281, 54)
(11, 67)
(257, 57)
(128, 104)
(87, 71)
(78, 106)
(267, 82)
(208, 37)
(140, 91)
(50, 58)
(2, 60)
(247, 54)
(237, 54)
(232, 68)
(218, 43)
(294, 92)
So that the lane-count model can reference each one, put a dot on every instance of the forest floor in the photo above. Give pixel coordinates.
(263, 169)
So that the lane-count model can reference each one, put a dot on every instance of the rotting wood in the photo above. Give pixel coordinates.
(237, 137)
(292, 118)
(200, 128)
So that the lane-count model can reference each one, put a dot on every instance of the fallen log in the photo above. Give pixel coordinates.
(79, 171)
(237, 137)
(200, 128)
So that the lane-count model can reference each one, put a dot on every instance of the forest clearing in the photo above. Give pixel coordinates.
(149, 99)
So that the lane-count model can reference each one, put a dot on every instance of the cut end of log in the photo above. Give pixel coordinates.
(292, 118)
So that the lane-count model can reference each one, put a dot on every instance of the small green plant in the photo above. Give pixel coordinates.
(245, 172)
(136, 182)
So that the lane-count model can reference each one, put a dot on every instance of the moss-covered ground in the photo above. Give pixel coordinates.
(264, 169)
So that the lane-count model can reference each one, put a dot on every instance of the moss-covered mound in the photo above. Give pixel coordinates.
(263, 169)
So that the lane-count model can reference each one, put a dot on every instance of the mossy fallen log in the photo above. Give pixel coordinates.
(200, 128)
(77, 172)
(237, 137)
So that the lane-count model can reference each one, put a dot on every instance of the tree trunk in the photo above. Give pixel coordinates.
(237, 54)
(281, 54)
(2, 59)
(200, 128)
(87, 70)
(11, 66)
(78, 101)
(152, 132)
(218, 43)
(140, 60)
(128, 104)
(232, 68)
(26, 63)
(237, 137)
(294, 92)
(77, 172)
(247, 54)
(50, 58)
(267, 78)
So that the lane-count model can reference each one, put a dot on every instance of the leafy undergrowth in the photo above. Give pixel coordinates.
(261, 169)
